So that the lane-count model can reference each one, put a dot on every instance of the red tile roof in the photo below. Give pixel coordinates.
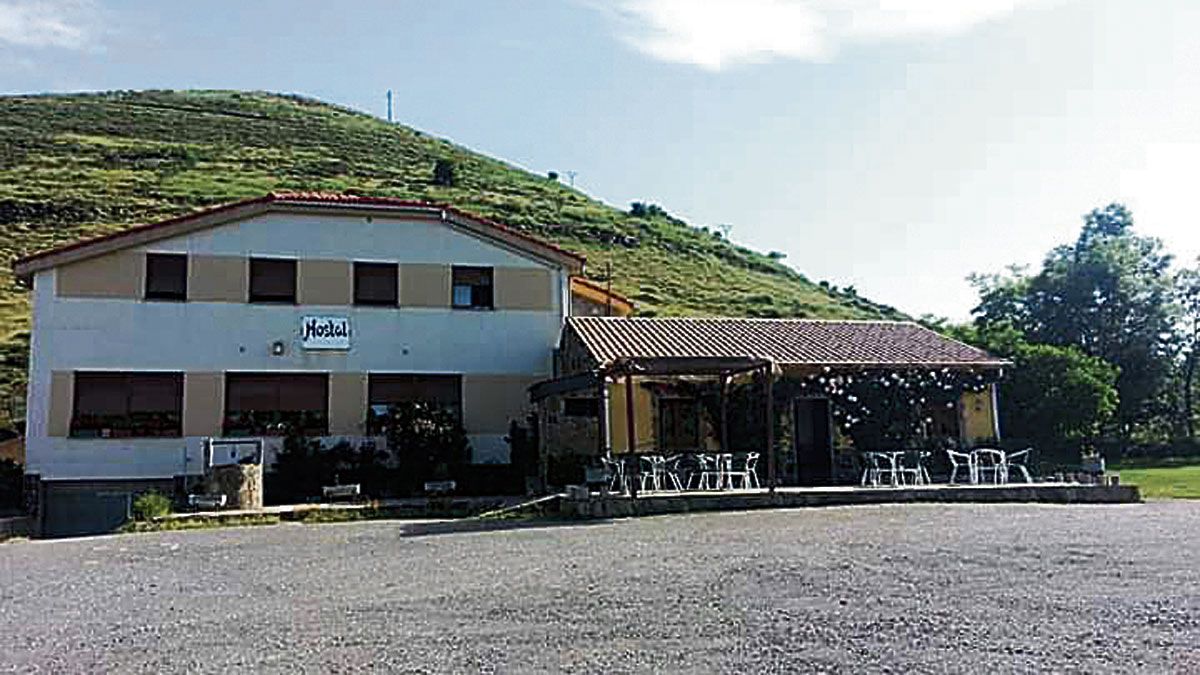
(216, 215)
(784, 341)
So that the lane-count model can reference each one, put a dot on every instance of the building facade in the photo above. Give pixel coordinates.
(305, 309)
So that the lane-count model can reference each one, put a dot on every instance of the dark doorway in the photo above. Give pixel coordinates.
(813, 441)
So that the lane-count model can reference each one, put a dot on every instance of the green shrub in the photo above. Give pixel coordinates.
(12, 477)
(151, 505)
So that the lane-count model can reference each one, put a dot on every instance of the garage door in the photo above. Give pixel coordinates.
(73, 511)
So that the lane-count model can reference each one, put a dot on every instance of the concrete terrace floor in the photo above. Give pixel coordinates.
(900, 588)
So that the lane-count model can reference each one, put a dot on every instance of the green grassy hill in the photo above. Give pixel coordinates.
(73, 166)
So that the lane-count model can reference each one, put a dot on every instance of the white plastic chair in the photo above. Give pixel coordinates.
(962, 460)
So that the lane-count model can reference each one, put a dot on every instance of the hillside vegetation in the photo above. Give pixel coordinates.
(74, 166)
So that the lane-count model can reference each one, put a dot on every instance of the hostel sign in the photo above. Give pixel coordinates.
(325, 332)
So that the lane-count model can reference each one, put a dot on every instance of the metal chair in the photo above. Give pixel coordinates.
(991, 461)
(962, 460)
(879, 465)
(700, 472)
(616, 474)
(671, 471)
(652, 470)
(747, 473)
(1018, 460)
(712, 471)
(911, 464)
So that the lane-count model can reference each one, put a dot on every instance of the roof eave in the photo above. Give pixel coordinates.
(24, 268)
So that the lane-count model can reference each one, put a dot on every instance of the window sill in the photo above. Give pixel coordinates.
(378, 305)
(97, 437)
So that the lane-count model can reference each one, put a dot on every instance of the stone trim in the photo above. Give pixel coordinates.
(324, 282)
(490, 402)
(61, 404)
(213, 278)
(424, 285)
(203, 404)
(527, 288)
(119, 275)
(347, 404)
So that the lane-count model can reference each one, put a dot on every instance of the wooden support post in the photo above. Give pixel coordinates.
(725, 411)
(724, 406)
(770, 419)
(631, 438)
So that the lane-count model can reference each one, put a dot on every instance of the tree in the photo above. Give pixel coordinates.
(1109, 295)
(443, 173)
(1054, 397)
(1187, 288)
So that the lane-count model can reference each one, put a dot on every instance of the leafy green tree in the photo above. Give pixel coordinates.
(1109, 295)
(12, 477)
(1054, 397)
(1187, 288)
(443, 173)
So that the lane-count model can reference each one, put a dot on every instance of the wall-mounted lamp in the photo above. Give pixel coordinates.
(277, 348)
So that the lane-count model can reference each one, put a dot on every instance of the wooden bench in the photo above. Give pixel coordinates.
(352, 491)
(207, 501)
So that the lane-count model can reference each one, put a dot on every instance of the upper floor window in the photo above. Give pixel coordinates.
(272, 280)
(166, 276)
(127, 405)
(376, 284)
(471, 287)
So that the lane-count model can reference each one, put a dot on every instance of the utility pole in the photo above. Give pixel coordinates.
(571, 177)
(608, 288)
(389, 98)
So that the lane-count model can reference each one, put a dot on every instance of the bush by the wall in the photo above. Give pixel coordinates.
(12, 477)
(151, 505)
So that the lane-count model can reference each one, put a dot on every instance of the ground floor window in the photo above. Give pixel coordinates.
(127, 405)
(271, 404)
(385, 390)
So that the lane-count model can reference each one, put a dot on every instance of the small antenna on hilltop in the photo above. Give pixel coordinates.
(571, 177)
(389, 97)
(608, 288)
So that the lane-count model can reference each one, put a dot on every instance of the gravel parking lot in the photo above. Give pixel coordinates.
(916, 588)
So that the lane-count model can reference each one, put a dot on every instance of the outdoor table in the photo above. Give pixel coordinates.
(880, 462)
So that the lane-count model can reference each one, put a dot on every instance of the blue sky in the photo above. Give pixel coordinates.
(896, 145)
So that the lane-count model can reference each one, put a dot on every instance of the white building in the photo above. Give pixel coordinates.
(147, 341)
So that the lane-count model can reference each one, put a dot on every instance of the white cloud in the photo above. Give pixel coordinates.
(714, 34)
(67, 24)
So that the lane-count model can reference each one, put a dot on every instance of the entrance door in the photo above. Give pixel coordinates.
(813, 441)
